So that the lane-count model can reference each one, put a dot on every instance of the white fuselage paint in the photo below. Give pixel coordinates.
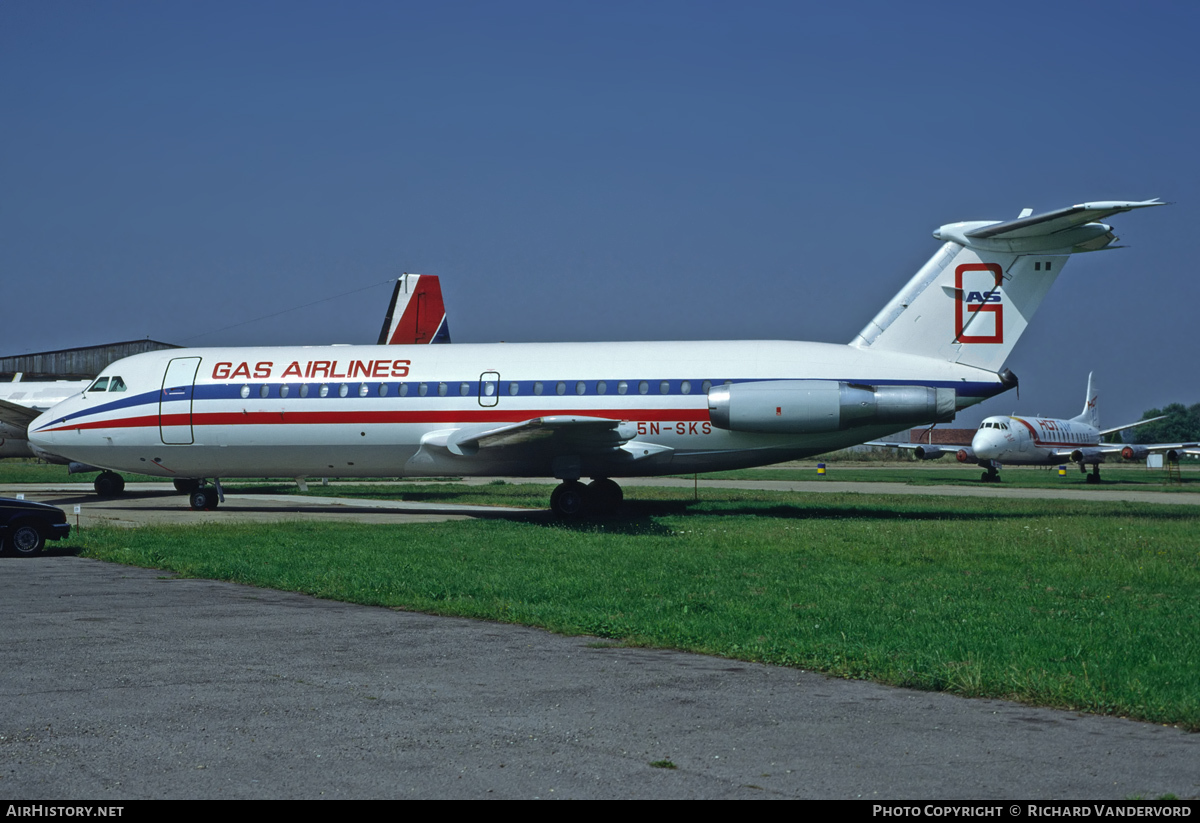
(231, 420)
(1034, 441)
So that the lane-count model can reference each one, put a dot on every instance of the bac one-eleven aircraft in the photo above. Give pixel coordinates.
(572, 410)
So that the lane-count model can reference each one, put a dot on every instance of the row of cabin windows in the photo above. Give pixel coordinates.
(468, 389)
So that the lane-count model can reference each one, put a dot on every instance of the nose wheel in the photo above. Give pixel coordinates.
(206, 498)
(109, 484)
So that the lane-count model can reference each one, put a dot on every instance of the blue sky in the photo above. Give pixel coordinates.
(592, 171)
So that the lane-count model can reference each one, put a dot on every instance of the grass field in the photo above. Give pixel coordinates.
(1089, 606)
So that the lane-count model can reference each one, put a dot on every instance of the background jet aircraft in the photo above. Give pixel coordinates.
(571, 410)
(22, 401)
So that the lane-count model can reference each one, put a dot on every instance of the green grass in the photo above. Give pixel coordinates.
(1021, 477)
(1089, 606)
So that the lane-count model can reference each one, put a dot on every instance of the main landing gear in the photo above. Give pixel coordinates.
(1094, 477)
(992, 475)
(574, 499)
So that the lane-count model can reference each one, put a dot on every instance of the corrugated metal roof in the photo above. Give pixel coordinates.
(75, 364)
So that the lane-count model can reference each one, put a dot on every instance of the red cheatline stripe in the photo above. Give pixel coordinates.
(366, 417)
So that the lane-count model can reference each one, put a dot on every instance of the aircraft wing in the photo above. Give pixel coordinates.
(1040, 225)
(586, 433)
(17, 416)
(612, 442)
(1129, 451)
(1133, 425)
(922, 451)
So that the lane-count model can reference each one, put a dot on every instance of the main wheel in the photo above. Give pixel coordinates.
(109, 484)
(605, 494)
(26, 539)
(203, 499)
(568, 499)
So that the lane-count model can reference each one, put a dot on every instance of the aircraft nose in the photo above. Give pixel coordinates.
(33, 434)
(984, 445)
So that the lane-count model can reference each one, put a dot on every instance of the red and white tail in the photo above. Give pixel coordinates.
(416, 314)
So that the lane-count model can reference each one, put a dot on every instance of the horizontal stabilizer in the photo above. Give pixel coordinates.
(1040, 225)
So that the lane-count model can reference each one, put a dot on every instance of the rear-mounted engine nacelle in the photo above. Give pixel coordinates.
(814, 406)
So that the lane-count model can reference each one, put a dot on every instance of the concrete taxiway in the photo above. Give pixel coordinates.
(123, 683)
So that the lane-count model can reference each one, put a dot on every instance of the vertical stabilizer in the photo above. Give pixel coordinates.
(1091, 411)
(973, 299)
(416, 314)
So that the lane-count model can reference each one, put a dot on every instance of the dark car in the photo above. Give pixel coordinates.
(25, 526)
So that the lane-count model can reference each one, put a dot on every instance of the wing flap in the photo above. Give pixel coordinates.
(585, 433)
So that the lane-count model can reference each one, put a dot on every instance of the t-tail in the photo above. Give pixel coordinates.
(1091, 411)
(973, 299)
(417, 313)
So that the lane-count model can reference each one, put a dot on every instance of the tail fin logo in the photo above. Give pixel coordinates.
(973, 304)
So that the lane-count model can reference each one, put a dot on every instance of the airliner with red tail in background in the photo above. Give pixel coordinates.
(582, 410)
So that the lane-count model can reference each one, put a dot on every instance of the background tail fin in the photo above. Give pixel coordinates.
(973, 299)
(1091, 410)
(417, 313)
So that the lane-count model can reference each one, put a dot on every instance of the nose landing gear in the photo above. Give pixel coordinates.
(109, 484)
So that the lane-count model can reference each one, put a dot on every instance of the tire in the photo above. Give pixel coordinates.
(109, 484)
(605, 494)
(26, 539)
(568, 499)
(203, 499)
(186, 485)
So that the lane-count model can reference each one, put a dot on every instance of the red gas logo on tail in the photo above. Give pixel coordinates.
(976, 302)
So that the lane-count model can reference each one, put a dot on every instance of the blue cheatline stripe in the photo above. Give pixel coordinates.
(525, 389)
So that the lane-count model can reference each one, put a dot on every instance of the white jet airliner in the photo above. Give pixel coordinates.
(415, 315)
(1013, 440)
(574, 410)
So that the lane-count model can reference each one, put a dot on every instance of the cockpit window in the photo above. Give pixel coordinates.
(117, 384)
(100, 385)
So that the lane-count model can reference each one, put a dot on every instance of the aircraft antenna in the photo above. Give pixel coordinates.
(389, 281)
